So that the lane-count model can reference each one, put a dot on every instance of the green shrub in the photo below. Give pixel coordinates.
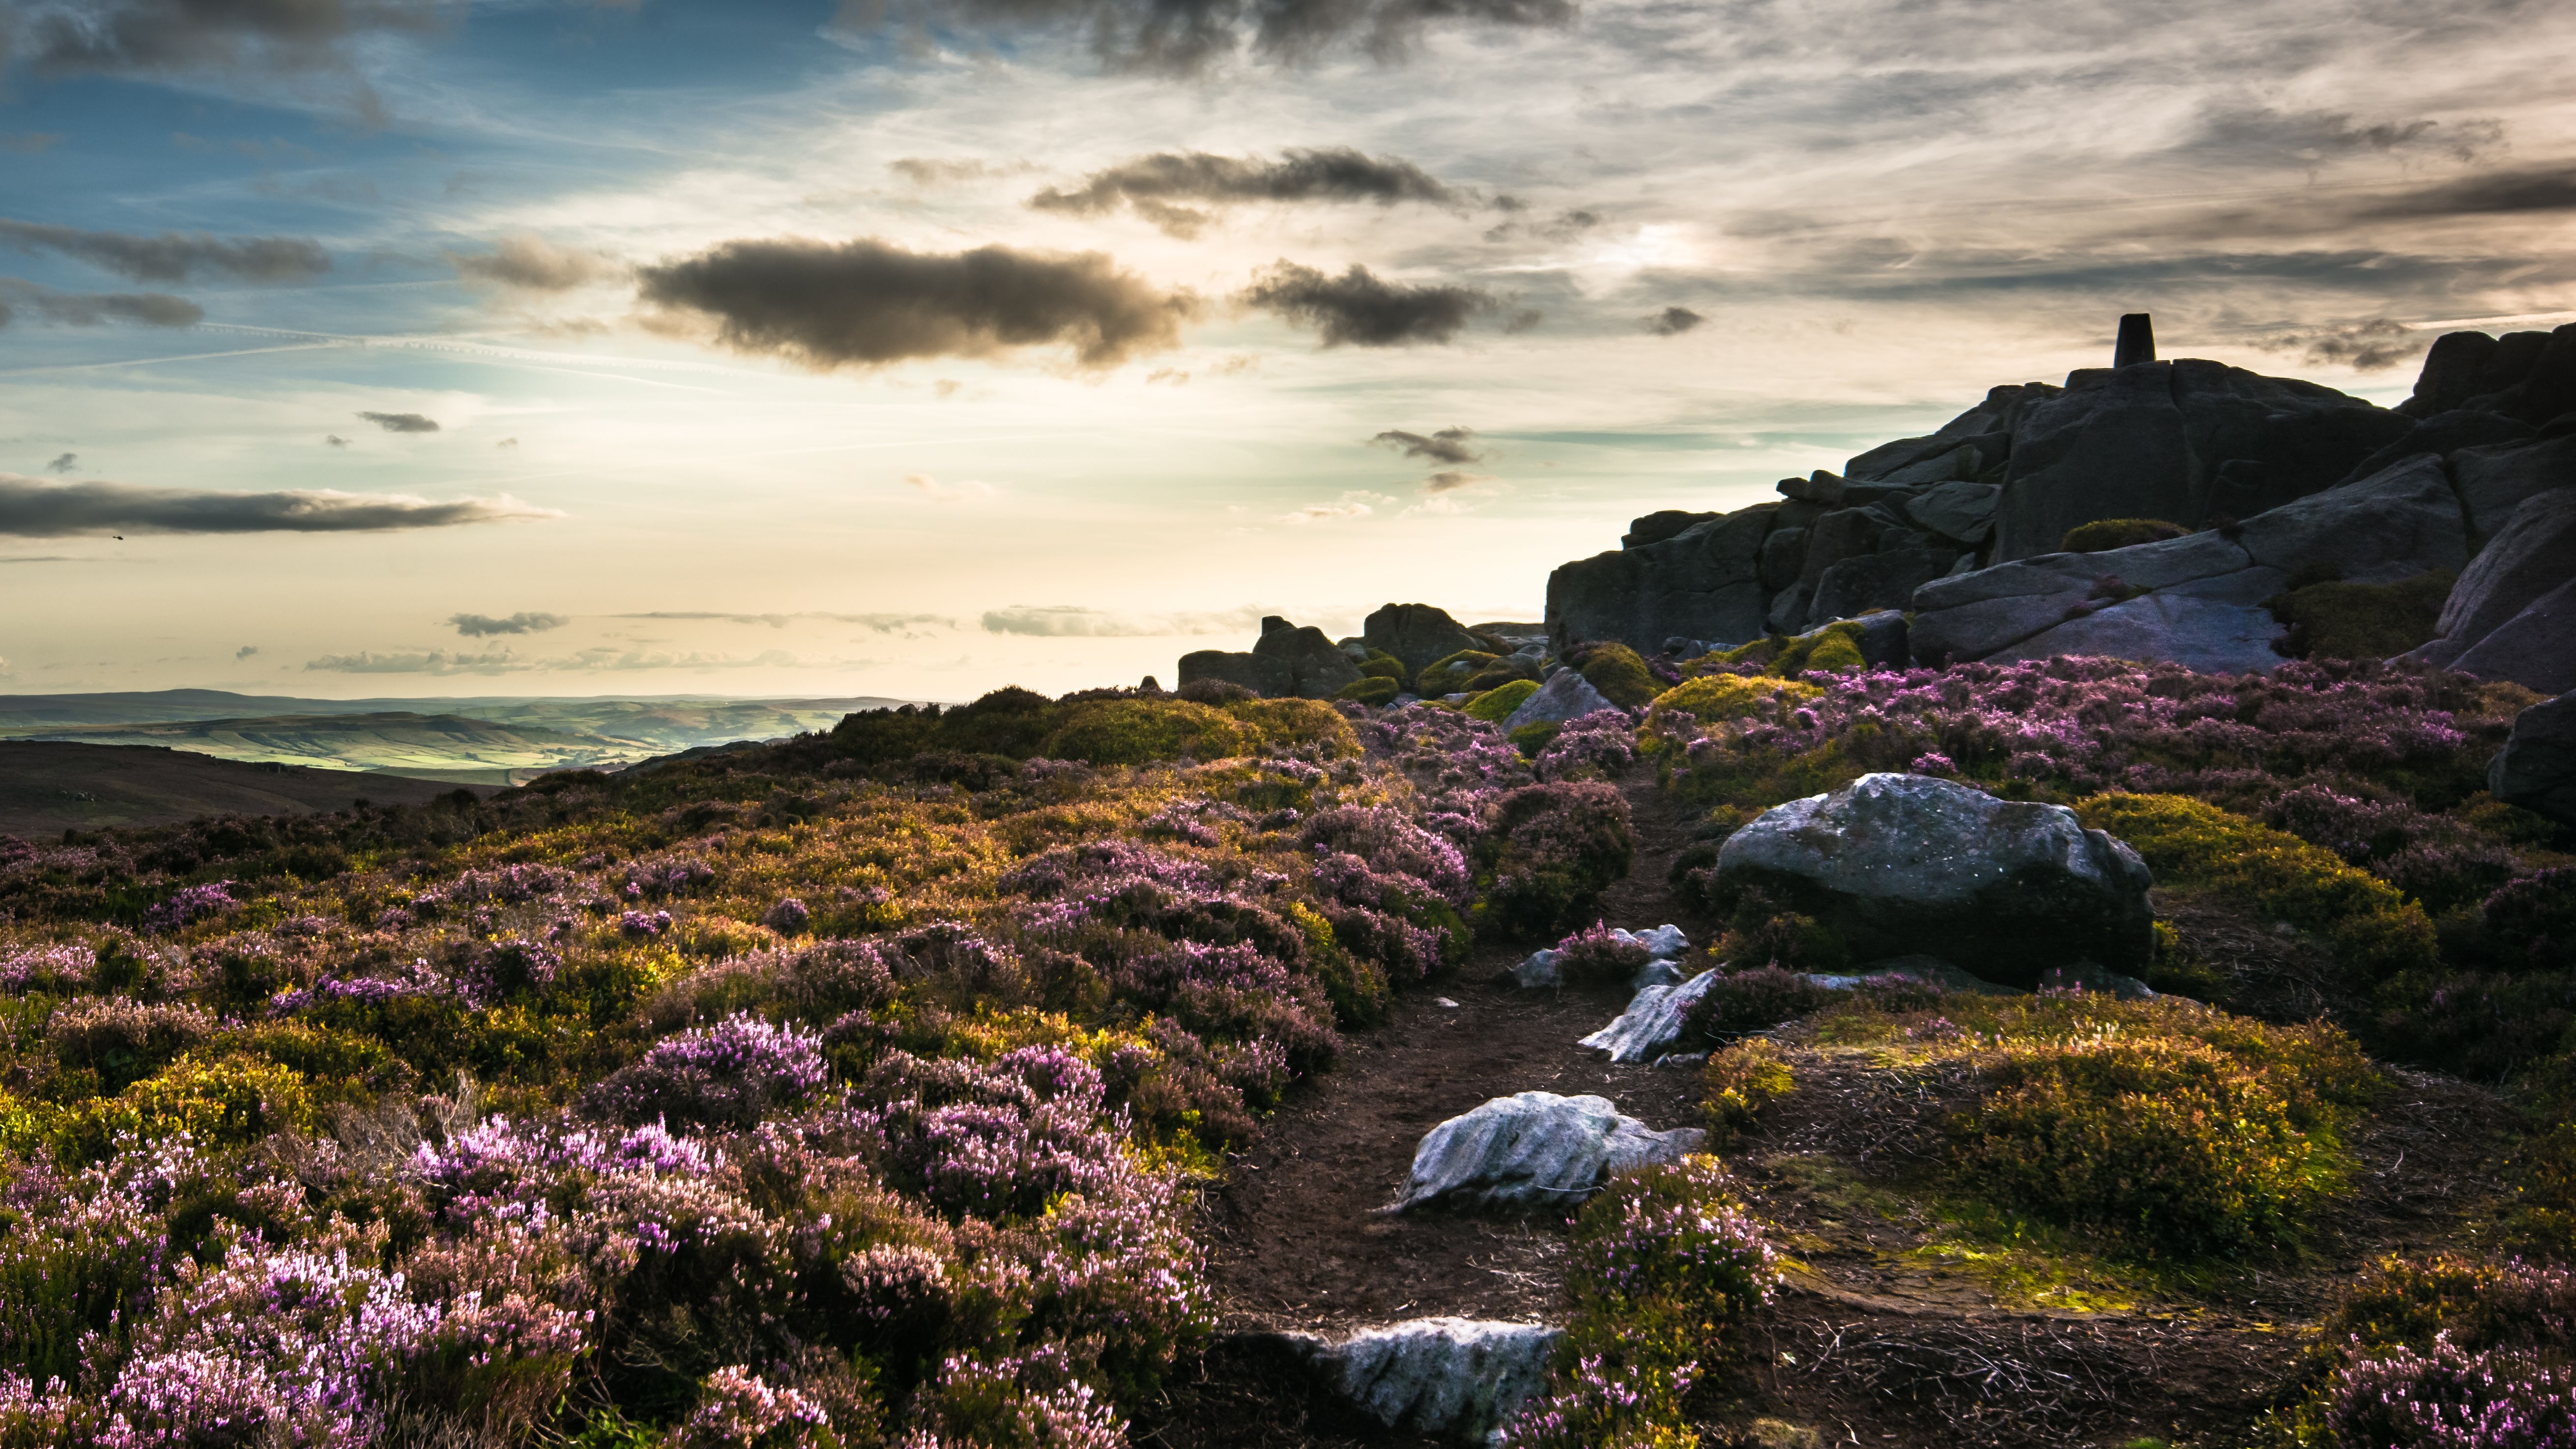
(2362, 621)
(2371, 927)
(1496, 705)
(225, 1102)
(1742, 1079)
(1450, 675)
(1299, 724)
(1375, 690)
(1754, 1000)
(1530, 739)
(1502, 671)
(1621, 675)
(1136, 731)
(2109, 533)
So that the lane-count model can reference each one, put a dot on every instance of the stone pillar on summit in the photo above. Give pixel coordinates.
(2137, 340)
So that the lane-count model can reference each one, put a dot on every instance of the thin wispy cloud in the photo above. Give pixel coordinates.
(175, 256)
(91, 309)
(1074, 621)
(46, 508)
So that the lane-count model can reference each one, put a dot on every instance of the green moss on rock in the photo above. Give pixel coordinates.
(1621, 675)
(2362, 621)
(1495, 705)
(1450, 675)
(1381, 665)
(1373, 690)
(1135, 731)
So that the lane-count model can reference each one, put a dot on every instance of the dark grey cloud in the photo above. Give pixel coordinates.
(1155, 186)
(334, 440)
(1564, 227)
(2372, 346)
(1450, 480)
(175, 256)
(2260, 133)
(1360, 309)
(1673, 321)
(534, 264)
(1184, 36)
(2491, 193)
(402, 422)
(90, 309)
(1449, 445)
(64, 463)
(866, 303)
(41, 508)
(477, 626)
(244, 652)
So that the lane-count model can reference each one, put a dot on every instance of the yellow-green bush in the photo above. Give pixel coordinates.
(1496, 705)
(2362, 621)
(1714, 697)
(1136, 731)
(2110, 533)
(1621, 675)
(1450, 675)
(2371, 927)
(1742, 1080)
(223, 1102)
(1835, 646)
(1375, 690)
(1298, 724)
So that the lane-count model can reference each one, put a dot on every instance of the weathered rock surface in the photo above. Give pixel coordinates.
(1929, 970)
(1963, 511)
(1893, 860)
(1534, 1150)
(1317, 667)
(1704, 582)
(2536, 769)
(2535, 648)
(2533, 553)
(1566, 695)
(1455, 1378)
(1417, 634)
(1539, 968)
(2495, 481)
(1259, 673)
(1652, 1024)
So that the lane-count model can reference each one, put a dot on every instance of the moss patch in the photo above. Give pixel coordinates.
(1621, 675)
(1496, 705)
(2362, 621)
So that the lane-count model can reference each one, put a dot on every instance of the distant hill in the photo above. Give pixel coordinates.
(47, 788)
(494, 741)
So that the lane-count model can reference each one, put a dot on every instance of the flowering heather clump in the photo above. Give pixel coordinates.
(642, 925)
(193, 903)
(56, 967)
(2451, 1399)
(1393, 846)
(788, 918)
(728, 1074)
(1595, 957)
(1603, 743)
(743, 1412)
(1553, 849)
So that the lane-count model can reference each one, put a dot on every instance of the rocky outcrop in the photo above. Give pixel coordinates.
(1458, 1379)
(2537, 767)
(1535, 1150)
(2528, 376)
(2196, 600)
(1890, 861)
(2512, 615)
(1704, 582)
(1287, 661)
(1419, 635)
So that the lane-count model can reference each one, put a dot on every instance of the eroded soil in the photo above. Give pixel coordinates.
(1908, 1319)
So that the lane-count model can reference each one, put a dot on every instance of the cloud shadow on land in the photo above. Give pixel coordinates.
(174, 257)
(1181, 37)
(92, 309)
(42, 508)
(866, 303)
(1359, 309)
(1153, 186)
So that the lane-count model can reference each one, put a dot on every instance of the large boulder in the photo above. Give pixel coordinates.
(1895, 862)
(1451, 1378)
(2535, 648)
(1704, 582)
(1566, 695)
(2496, 480)
(1961, 511)
(1417, 634)
(1872, 582)
(2537, 767)
(1534, 1150)
(1317, 667)
(2151, 441)
(2512, 615)
(1263, 675)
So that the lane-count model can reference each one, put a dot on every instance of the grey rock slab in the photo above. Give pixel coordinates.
(2446, 434)
(1459, 1379)
(1977, 630)
(2536, 769)
(1874, 582)
(1538, 970)
(1892, 860)
(1417, 634)
(1318, 669)
(2535, 648)
(1262, 674)
(2203, 634)
(1566, 695)
(2533, 552)
(2096, 980)
(1964, 511)
(1927, 970)
(2392, 525)
(2494, 481)
(1653, 1022)
(1702, 583)
(1533, 1150)
(1659, 971)
(1662, 942)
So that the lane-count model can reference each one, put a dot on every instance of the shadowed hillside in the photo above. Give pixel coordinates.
(48, 788)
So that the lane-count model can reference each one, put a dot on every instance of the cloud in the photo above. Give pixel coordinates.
(881, 623)
(1673, 321)
(248, 37)
(476, 626)
(335, 440)
(40, 508)
(534, 264)
(930, 487)
(1072, 621)
(1153, 185)
(1566, 227)
(1449, 445)
(29, 143)
(89, 309)
(932, 171)
(1353, 504)
(402, 422)
(507, 443)
(2492, 193)
(1359, 309)
(2372, 346)
(2260, 133)
(1185, 36)
(867, 303)
(598, 660)
(173, 256)
(1450, 480)
(63, 464)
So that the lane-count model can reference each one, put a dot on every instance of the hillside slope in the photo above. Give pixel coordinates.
(48, 788)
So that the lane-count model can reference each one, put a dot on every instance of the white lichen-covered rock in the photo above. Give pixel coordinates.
(1657, 972)
(1455, 1378)
(1891, 861)
(1539, 969)
(1534, 1150)
(1653, 1022)
(1662, 943)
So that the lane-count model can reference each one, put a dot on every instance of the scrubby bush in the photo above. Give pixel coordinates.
(2441, 1353)
(2335, 620)
(2103, 534)
(1602, 744)
(1135, 731)
(1550, 852)
(1742, 1079)
(1758, 999)
(1381, 665)
(1676, 714)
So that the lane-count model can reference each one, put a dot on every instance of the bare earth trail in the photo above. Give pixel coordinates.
(1881, 1336)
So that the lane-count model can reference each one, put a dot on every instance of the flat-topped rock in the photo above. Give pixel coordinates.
(1533, 1150)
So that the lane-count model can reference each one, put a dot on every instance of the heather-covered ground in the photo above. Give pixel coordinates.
(892, 1085)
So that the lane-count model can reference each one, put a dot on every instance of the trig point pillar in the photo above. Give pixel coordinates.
(2137, 340)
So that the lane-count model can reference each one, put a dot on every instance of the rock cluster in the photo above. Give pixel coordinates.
(1288, 661)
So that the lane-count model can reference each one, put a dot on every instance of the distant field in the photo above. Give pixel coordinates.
(47, 788)
(489, 741)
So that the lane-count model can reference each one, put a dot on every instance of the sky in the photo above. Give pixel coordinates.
(357, 348)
